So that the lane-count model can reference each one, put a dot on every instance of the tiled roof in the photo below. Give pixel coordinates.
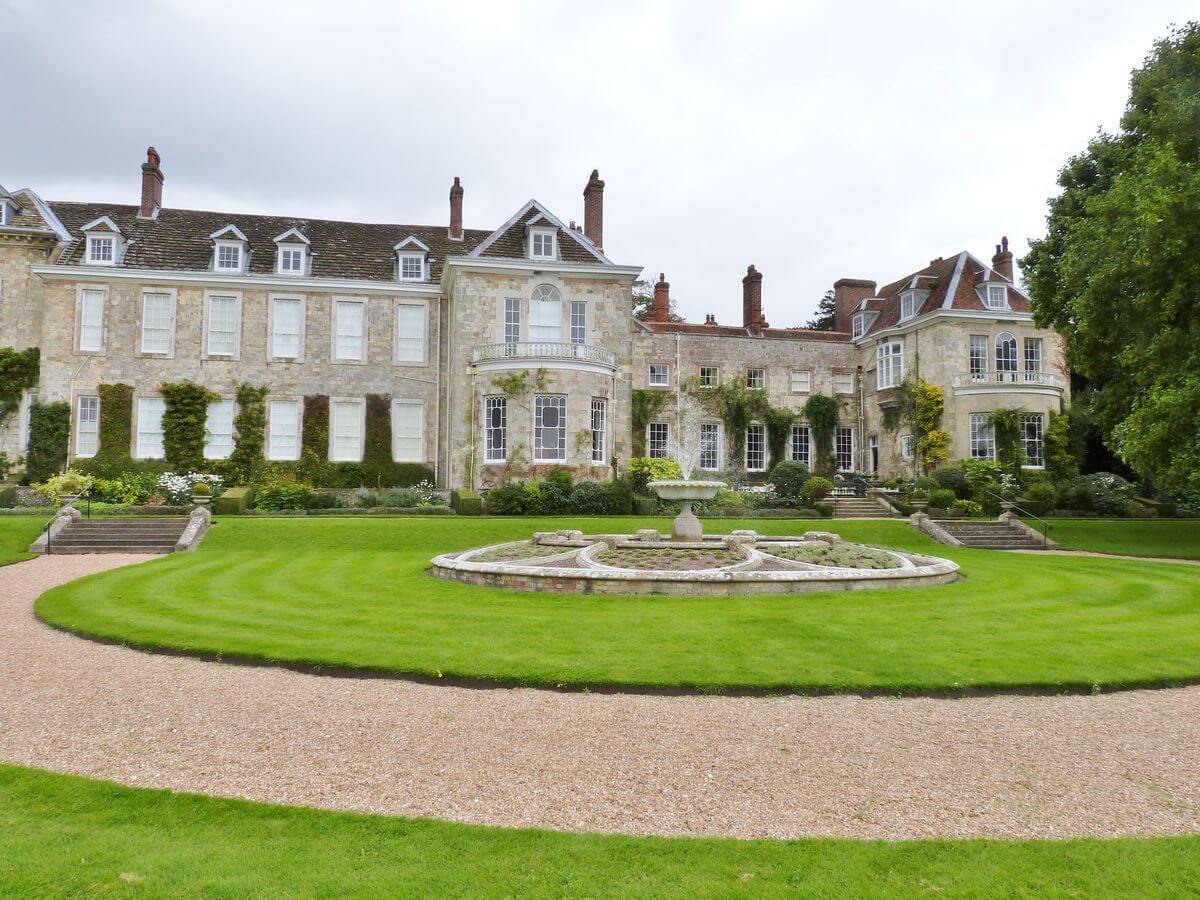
(179, 240)
(511, 245)
(28, 216)
(777, 334)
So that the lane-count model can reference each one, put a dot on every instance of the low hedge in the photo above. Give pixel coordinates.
(8, 496)
(466, 503)
(234, 501)
(373, 511)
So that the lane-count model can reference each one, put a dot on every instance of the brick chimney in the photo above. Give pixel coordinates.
(1002, 262)
(847, 294)
(152, 182)
(456, 195)
(593, 209)
(710, 319)
(752, 316)
(662, 300)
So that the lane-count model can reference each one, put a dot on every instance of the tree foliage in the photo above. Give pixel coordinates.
(826, 314)
(643, 302)
(1118, 271)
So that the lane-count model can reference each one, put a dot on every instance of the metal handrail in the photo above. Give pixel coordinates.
(71, 501)
(1046, 525)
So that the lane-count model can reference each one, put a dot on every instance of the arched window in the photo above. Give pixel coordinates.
(1006, 356)
(546, 316)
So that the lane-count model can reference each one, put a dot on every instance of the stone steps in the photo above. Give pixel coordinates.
(119, 536)
(990, 535)
(857, 508)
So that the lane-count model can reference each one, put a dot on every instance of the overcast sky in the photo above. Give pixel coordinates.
(815, 140)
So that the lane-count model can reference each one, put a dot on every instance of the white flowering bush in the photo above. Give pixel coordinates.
(178, 489)
(427, 494)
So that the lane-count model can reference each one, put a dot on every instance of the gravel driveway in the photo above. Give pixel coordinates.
(1116, 764)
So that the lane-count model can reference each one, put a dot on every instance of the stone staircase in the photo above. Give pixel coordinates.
(858, 508)
(156, 535)
(990, 535)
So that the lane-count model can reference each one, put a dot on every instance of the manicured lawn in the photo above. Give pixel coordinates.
(16, 534)
(353, 593)
(1178, 538)
(63, 836)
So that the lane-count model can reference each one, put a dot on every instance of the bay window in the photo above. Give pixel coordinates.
(889, 364)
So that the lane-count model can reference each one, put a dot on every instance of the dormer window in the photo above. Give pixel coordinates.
(908, 305)
(229, 257)
(997, 296)
(101, 249)
(229, 249)
(412, 267)
(857, 326)
(291, 260)
(542, 244)
(7, 209)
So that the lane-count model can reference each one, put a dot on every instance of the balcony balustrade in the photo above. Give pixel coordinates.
(1009, 380)
(544, 351)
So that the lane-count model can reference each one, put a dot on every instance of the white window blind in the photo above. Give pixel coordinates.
(545, 315)
(149, 427)
(218, 430)
(91, 321)
(346, 431)
(284, 428)
(87, 426)
(285, 329)
(222, 325)
(410, 333)
(348, 330)
(801, 382)
(157, 323)
(408, 429)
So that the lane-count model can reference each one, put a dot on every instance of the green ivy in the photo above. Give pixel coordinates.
(1006, 431)
(249, 432)
(183, 424)
(377, 441)
(18, 373)
(49, 432)
(822, 414)
(314, 439)
(779, 431)
(737, 406)
(645, 406)
(115, 431)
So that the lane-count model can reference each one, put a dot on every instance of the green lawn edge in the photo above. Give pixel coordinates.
(63, 835)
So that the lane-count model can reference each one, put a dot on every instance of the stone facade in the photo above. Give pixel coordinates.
(528, 325)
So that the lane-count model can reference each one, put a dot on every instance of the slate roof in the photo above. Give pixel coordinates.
(28, 216)
(777, 334)
(938, 278)
(178, 240)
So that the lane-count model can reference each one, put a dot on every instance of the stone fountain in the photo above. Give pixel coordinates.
(686, 526)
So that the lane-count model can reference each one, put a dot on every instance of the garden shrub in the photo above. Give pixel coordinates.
(249, 433)
(8, 496)
(942, 498)
(509, 499)
(953, 478)
(966, 508)
(324, 500)
(49, 434)
(926, 484)
(1103, 492)
(1039, 498)
(178, 489)
(589, 498)
(554, 491)
(65, 484)
(184, 418)
(822, 414)
(282, 493)
(466, 503)
(620, 496)
(788, 479)
(127, 487)
(817, 488)
(643, 469)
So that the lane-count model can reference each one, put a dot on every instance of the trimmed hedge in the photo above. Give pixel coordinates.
(49, 434)
(234, 501)
(115, 432)
(466, 503)
(184, 421)
(8, 496)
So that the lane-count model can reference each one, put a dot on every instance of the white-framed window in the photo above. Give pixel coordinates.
(408, 430)
(290, 259)
(91, 320)
(908, 446)
(578, 322)
(218, 430)
(541, 243)
(229, 257)
(1031, 438)
(843, 448)
(545, 314)
(87, 426)
(660, 375)
(908, 305)
(802, 444)
(349, 318)
(979, 356)
(889, 364)
(1006, 356)
(411, 331)
(495, 422)
(224, 311)
(983, 438)
(756, 379)
(756, 448)
(512, 320)
(599, 429)
(158, 322)
(101, 249)
(346, 430)
(1033, 355)
(858, 326)
(29, 401)
(549, 428)
(710, 376)
(412, 267)
(800, 381)
(283, 425)
(711, 435)
(658, 440)
(149, 427)
(873, 453)
(997, 296)
(843, 382)
(287, 319)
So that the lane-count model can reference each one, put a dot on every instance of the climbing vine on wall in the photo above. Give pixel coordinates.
(646, 404)
(737, 406)
(18, 373)
(377, 448)
(49, 431)
(822, 414)
(779, 431)
(1006, 431)
(920, 407)
(115, 431)
(249, 432)
(183, 424)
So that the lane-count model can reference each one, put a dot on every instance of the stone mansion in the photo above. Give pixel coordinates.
(503, 351)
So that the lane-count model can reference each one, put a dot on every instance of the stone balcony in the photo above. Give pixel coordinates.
(1005, 382)
(544, 354)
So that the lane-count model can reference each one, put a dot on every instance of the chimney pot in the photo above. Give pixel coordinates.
(1002, 262)
(456, 201)
(752, 315)
(152, 182)
(593, 209)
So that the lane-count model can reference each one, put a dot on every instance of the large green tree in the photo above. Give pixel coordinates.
(1118, 271)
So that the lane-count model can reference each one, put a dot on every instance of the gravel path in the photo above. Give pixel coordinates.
(1126, 763)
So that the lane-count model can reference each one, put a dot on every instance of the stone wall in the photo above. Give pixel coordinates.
(20, 319)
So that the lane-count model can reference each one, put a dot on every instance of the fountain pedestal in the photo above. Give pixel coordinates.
(686, 526)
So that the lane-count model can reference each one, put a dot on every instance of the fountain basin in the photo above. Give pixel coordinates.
(686, 526)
